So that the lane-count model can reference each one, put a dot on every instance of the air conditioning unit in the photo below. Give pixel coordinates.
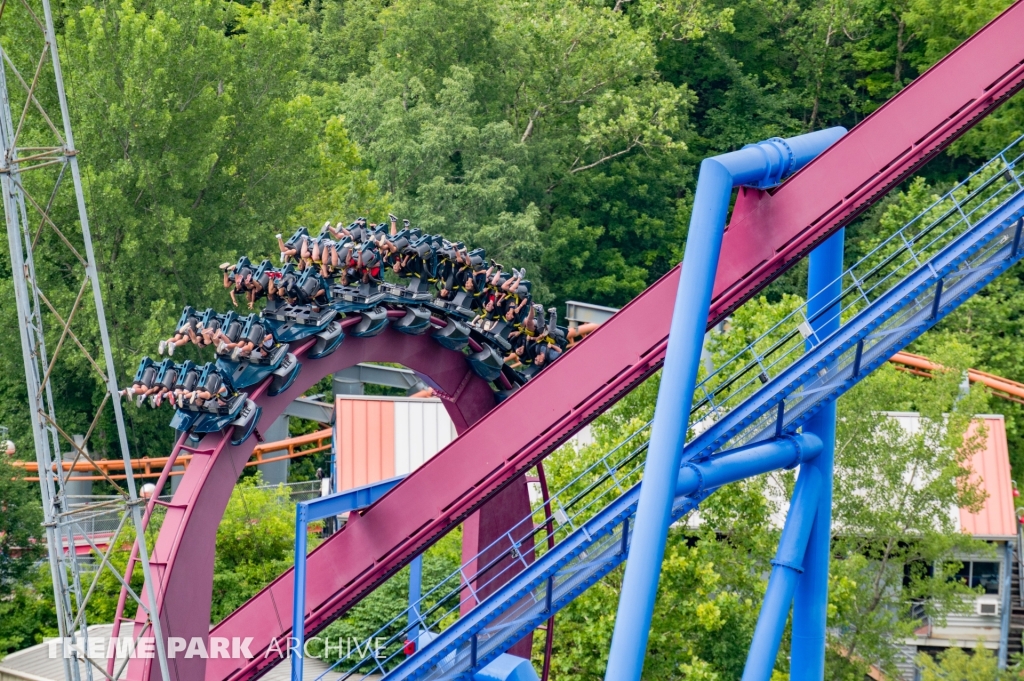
(987, 607)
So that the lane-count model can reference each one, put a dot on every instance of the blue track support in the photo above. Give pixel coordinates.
(693, 483)
(299, 599)
(786, 569)
(310, 511)
(746, 462)
(762, 164)
(810, 603)
(507, 668)
(415, 591)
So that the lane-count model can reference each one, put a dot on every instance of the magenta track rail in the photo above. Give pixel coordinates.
(769, 232)
(182, 558)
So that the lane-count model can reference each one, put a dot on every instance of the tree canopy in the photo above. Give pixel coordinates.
(563, 136)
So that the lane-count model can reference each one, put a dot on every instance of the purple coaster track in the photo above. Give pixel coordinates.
(183, 556)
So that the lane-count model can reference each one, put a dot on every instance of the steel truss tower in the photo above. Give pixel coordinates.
(44, 208)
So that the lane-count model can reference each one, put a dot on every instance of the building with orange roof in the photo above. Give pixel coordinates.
(989, 620)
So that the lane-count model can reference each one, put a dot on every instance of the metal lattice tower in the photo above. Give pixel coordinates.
(44, 208)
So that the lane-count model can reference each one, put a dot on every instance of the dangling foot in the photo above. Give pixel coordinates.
(170, 349)
(222, 348)
(163, 344)
(235, 354)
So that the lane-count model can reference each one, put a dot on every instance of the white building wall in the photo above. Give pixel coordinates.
(422, 429)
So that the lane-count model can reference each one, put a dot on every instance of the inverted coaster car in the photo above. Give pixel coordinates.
(371, 323)
(284, 375)
(459, 306)
(147, 372)
(403, 294)
(454, 336)
(240, 413)
(248, 371)
(416, 321)
(487, 363)
(327, 341)
(222, 407)
(346, 298)
(290, 323)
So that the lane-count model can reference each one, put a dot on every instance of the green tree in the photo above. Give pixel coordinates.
(200, 141)
(389, 603)
(894, 487)
(21, 545)
(255, 543)
(953, 664)
(543, 119)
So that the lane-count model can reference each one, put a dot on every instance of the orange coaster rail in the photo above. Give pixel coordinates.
(146, 467)
(999, 386)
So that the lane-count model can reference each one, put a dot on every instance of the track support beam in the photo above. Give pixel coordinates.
(810, 603)
(760, 165)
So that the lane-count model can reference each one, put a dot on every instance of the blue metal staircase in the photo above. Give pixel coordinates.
(903, 287)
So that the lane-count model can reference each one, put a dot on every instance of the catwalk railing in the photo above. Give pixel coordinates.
(896, 292)
(567, 512)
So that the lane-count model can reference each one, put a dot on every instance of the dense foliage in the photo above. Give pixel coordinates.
(562, 136)
(20, 547)
(254, 545)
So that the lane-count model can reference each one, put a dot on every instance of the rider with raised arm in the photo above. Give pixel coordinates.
(238, 279)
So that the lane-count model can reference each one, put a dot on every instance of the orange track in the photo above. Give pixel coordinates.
(147, 467)
(922, 366)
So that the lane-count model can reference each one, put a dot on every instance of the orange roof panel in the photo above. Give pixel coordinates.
(991, 468)
(364, 441)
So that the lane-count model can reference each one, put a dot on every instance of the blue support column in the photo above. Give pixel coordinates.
(810, 603)
(415, 591)
(761, 164)
(307, 512)
(786, 569)
(299, 598)
(675, 398)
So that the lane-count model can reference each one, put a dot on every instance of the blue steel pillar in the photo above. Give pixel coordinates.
(810, 602)
(307, 512)
(415, 591)
(299, 596)
(763, 164)
(786, 569)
